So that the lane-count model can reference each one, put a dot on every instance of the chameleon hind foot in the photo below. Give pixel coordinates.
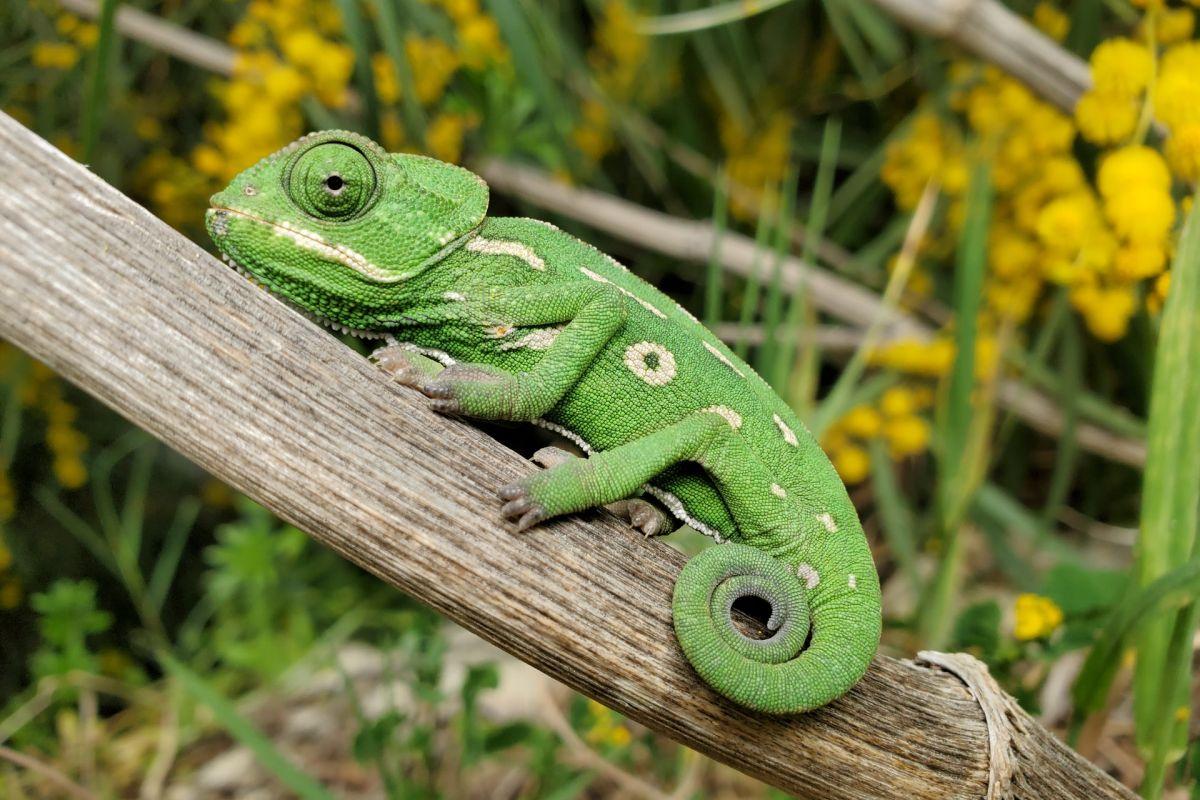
(642, 515)
(520, 507)
(475, 390)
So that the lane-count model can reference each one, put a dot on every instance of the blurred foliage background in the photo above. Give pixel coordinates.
(154, 623)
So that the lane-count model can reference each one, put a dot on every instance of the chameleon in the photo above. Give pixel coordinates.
(503, 318)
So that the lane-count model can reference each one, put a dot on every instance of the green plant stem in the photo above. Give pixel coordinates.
(96, 101)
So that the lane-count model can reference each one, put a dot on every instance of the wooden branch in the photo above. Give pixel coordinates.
(142, 318)
(991, 31)
(693, 241)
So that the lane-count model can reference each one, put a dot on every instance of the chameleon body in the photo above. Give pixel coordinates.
(531, 324)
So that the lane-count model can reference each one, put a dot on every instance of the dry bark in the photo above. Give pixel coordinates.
(145, 320)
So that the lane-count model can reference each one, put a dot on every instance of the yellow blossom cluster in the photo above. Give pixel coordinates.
(617, 57)
(66, 443)
(64, 54)
(933, 358)
(756, 159)
(476, 33)
(1050, 224)
(606, 727)
(896, 418)
(1036, 617)
(286, 51)
(1177, 106)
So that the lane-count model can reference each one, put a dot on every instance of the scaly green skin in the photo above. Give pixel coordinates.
(538, 326)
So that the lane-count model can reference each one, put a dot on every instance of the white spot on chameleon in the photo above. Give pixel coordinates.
(539, 339)
(723, 359)
(503, 247)
(457, 297)
(778, 491)
(809, 575)
(651, 362)
(789, 435)
(732, 417)
(852, 582)
(447, 237)
(826, 519)
(598, 278)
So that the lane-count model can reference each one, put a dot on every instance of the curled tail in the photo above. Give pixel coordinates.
(836, 597)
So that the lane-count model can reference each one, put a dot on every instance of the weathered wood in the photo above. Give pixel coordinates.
(990, 30)
(145, 320)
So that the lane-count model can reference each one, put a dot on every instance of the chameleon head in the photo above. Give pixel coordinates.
(339, 227)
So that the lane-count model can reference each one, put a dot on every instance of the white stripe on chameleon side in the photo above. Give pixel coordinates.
(506, 247)
(721, 357)
(598, 278)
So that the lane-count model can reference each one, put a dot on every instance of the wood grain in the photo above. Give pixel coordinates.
(148, 322)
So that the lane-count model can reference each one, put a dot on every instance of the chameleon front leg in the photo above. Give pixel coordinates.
(590, 314)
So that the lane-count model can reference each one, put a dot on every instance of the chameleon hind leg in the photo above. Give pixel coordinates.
(642, 515)
(742, 480)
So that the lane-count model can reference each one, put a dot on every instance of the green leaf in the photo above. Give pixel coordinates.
(244, 731)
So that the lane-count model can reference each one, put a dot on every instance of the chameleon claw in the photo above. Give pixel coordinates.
(551, 456)
(531, 518)
(510, 491)
(445, 406)
(437, 391)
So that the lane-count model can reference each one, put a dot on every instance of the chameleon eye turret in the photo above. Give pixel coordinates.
(333, 181)
(529, 324)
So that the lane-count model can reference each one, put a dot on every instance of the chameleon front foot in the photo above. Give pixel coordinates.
(643, 516)
(475, 390)
(406, 366)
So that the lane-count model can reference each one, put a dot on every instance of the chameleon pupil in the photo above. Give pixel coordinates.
(334, 183)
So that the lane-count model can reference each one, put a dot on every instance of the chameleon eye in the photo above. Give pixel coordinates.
(332, 181)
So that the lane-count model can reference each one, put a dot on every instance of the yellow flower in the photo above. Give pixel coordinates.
(1174, 25)
(1177, 97)
(1183, 151)
(1051, 21)
(386, 85)
(1121, 67)
(433, 64)
(54, 55)
(445, 135)
(1141, 214)
(1135, 165)
(70, 472)
(593, 135)
(1106, 312)
(897, 401)
(5, 555)
(284, 84)
(480, 43)
(931, 358)
(852, 464)
(1105, 119)
(862, 421)
(906, 435)
(1037, 617)
(1136, 262)
(1063, 224)
(1158, 293)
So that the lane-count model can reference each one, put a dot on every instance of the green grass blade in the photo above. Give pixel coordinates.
(753, 288)
(958, 444)
(704, 18)
(356, 36)
(773, 304)
(1171, 482)
(814, 231)
(1172, 590)
(393, 44)
(244, 731)
(895, 514)
(96, 101)
(715, 274)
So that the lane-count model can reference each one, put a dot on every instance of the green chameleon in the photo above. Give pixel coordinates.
(513, 319)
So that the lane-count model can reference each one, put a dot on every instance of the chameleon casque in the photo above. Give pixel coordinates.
(531, 324)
